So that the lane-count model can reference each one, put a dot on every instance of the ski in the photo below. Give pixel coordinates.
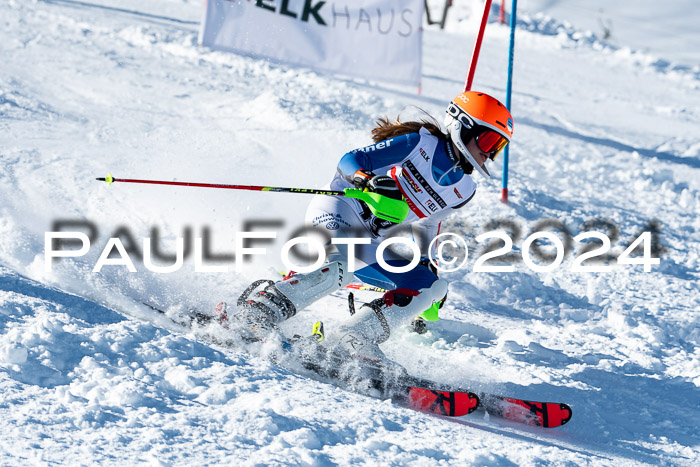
(542, 414)
(413, 393)
(442, 399)
(404, 390)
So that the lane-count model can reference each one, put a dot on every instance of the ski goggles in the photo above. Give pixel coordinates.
(487, 140)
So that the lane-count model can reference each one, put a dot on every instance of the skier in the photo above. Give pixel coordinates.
(410, 162)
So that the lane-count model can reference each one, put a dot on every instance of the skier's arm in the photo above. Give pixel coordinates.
(377, 156)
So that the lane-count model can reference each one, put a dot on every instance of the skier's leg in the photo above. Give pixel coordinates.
(412, 293)
(379, 277)
(268, 302)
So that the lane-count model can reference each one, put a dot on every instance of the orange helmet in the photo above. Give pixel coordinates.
(478, 115)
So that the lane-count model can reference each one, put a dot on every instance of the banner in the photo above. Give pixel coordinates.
(373, 39)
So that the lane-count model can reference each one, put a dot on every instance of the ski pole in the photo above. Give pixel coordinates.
(370, 288)
(110, 179)
(392, 210)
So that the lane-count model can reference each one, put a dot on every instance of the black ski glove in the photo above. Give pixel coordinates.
(361, 178)
(380, 184)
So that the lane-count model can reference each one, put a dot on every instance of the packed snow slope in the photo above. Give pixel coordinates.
(665, 29)
(606, 139)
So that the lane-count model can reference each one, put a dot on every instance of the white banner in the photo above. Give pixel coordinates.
(374, 39)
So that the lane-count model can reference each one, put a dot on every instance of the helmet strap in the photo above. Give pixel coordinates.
(456, 156)
(452, 153)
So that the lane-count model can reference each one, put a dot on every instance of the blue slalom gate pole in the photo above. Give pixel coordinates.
(509, 91)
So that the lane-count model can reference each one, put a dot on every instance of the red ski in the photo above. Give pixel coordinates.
(416, 393)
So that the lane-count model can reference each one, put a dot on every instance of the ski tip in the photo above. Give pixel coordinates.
(565, 409)
(555, 415)
(474, 402)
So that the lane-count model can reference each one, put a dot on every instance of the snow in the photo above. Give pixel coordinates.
(605, 138)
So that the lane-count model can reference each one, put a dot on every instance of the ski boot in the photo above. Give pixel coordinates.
(266, 303)
(418, 326)
(359, 337)
(262, 304)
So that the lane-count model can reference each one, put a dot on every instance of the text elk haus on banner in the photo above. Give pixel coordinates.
(374, 39)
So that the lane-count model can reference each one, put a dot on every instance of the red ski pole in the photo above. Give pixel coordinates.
(110, 179)
(393, 210)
